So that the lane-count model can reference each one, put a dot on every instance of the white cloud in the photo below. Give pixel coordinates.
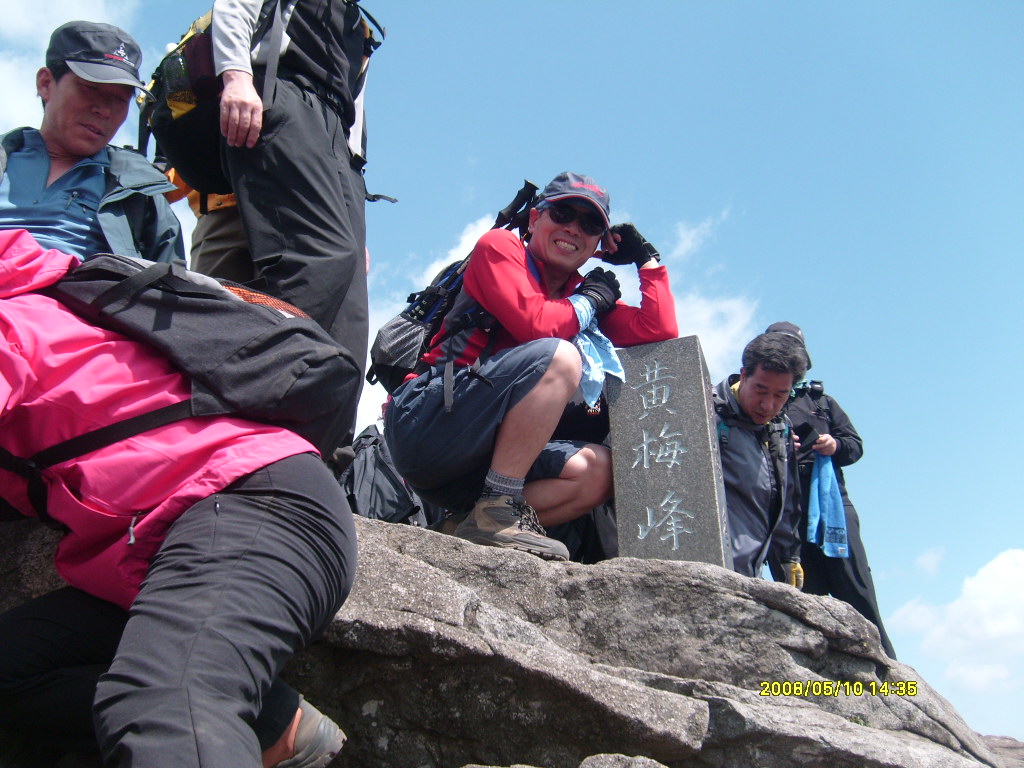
(27, 26)
(930, 560)
(467, 239)
(723, 325)
(18, 101)
(985, 622)
(690, 238)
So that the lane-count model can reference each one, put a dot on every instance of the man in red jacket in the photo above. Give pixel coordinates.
(512, 434)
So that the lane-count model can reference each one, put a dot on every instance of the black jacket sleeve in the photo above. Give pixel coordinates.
(850, 447)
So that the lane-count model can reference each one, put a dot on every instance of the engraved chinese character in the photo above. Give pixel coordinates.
(656, 392)
(670, 520)
(662, 449)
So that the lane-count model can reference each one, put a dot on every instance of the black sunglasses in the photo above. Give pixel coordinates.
(591, 223)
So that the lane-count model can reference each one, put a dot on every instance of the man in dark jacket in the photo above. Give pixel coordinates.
(846, 578)
(64, 183)
(757, 453)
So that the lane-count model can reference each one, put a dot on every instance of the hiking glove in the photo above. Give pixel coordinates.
(602, 288)
(633, 247)
(795, 574)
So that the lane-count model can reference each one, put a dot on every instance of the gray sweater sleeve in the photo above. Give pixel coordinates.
(234, 22)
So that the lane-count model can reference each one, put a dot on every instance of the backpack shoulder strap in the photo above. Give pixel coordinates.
(31, 469)
(101, 437)
(816, 390)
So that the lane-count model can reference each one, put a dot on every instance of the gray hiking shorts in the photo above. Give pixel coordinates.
(445, 456)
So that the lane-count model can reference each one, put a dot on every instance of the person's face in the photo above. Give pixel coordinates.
(81, 117)
(763, 393)
(563, 246)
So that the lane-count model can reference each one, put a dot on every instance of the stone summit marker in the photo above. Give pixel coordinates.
(669, 494)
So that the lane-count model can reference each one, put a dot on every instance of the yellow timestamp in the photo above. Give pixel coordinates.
(805, 688)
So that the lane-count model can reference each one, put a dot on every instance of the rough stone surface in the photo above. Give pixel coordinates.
(669, 494)
(1010, 750)
(449, 654)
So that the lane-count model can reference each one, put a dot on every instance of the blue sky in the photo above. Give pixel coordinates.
(855, 168)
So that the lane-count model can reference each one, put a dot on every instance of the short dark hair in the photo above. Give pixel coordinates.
(58, 69)
(777, 352)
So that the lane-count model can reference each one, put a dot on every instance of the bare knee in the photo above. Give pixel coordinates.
(591, 468)
(566, 365)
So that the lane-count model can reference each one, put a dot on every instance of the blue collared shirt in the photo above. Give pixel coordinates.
(63, 215)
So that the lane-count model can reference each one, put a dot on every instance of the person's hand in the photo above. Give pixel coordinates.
(241, 110)
(795, 574)
(631, 247)
(826, 445)
(602, 288)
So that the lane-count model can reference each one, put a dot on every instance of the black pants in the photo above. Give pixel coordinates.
(846, 578)
(189, 677)
(302, 204)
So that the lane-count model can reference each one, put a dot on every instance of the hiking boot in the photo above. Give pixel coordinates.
(317, 740)
(504, 521)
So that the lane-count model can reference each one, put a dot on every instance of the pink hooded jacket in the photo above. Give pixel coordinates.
(62, 377)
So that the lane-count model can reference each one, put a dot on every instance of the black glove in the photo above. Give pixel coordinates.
(633, 247)
(602, 288)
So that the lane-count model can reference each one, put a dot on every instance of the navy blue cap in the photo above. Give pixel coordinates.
(575, 186)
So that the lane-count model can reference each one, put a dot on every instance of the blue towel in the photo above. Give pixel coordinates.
(598, 353)
(826, 515)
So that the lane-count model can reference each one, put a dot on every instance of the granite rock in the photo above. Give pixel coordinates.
(449, 654)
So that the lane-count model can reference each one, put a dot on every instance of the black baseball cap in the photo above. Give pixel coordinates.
(575, 186)
(99, 53)
(789, 329)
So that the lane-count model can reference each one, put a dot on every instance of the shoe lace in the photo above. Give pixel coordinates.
(527, 517)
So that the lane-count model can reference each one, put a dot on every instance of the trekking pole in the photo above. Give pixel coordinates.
(509, 215)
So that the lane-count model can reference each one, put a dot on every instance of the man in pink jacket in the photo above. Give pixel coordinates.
(200, 556)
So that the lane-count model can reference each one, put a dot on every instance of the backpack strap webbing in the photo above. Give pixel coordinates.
(101, 437)
(32, 468)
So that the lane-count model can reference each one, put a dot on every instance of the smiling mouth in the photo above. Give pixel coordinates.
(565, 245)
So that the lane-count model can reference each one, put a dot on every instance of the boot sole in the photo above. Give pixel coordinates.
(541, 553)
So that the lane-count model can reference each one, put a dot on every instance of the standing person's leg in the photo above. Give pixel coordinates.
(305, 233)
(351, 325)
(303, 209)
(219, 246)
(849, 579)
(244, 580)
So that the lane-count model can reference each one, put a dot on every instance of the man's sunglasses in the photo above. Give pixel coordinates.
(590, 223)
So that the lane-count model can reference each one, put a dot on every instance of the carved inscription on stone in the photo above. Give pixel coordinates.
(669, 498)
